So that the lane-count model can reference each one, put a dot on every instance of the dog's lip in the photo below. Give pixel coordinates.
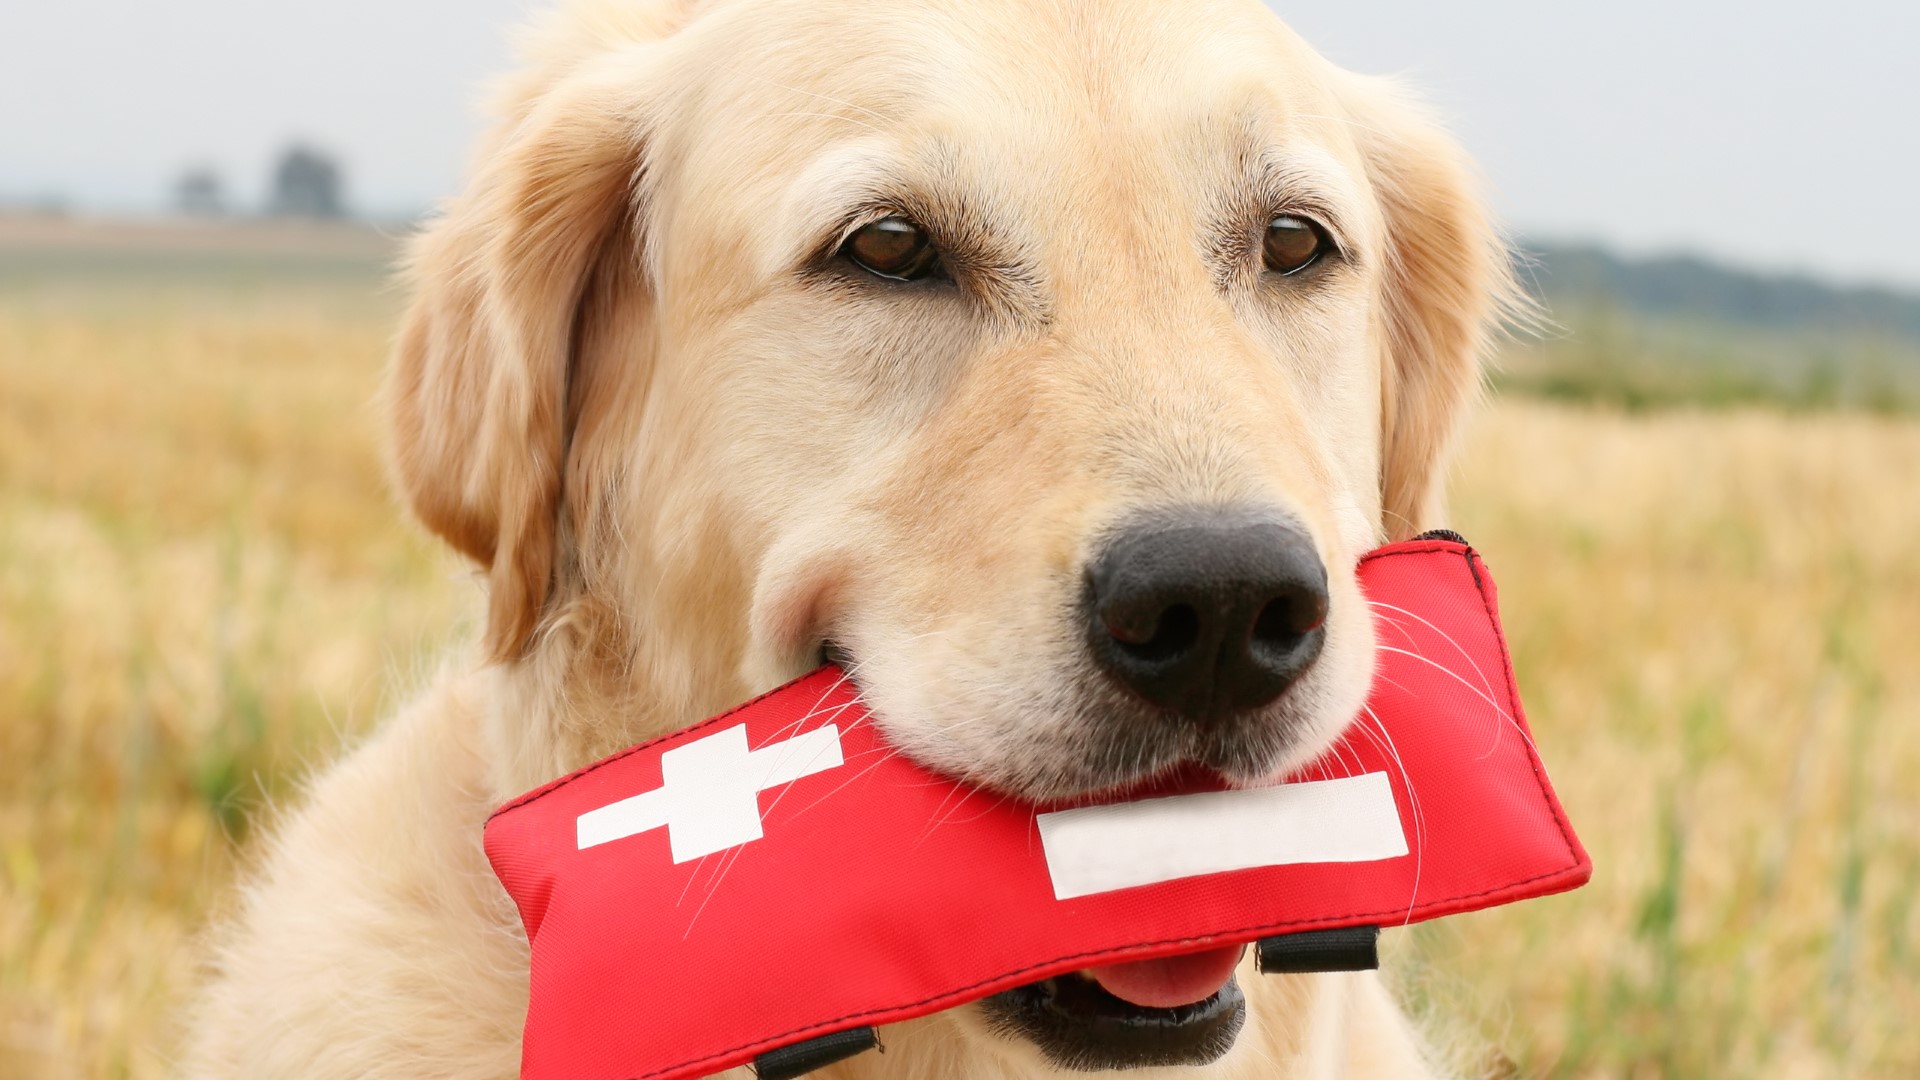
(1079, 1023)
(832, 652)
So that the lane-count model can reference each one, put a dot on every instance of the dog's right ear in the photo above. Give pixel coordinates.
(478, 385)
(1447, 285)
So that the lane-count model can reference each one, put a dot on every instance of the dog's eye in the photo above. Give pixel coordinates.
(1293, 244)
(893, 248)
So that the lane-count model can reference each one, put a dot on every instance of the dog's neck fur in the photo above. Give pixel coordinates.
(593, 683)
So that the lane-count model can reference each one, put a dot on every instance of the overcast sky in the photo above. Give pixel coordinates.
(1781, 134)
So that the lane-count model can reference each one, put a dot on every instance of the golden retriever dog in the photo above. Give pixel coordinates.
(1048, 363)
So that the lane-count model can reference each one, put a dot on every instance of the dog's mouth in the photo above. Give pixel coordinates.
(1177, 1010)
(1170, 1011)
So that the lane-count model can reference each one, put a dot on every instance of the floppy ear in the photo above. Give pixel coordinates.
(478, 385)
(1447, 283)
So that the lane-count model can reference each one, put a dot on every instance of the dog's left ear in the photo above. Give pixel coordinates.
(478, 389)
(1447, 283)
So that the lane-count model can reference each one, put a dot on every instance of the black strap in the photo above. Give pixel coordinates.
(801, 1058)
(1350, 948)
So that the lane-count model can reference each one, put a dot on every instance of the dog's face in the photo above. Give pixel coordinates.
(1050, 365)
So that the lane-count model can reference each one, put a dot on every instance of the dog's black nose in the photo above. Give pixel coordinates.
(1206, 612)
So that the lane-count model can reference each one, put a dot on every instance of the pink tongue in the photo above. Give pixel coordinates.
(1169, 981)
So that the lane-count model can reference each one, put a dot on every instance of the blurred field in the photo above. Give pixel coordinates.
(206, 590)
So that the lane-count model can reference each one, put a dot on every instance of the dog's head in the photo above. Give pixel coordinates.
(1049, 364)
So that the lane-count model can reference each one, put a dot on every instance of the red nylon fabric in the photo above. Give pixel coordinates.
(855, 909)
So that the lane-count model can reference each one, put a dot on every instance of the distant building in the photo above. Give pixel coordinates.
(306, 184)
(199, 193)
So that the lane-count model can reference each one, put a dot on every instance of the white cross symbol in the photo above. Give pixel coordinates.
(709, 796)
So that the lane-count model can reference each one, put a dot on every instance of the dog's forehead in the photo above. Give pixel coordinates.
(1177, 96)
(1014, 67)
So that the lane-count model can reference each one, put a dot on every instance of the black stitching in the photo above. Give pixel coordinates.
(960, 994)
(1519, 715)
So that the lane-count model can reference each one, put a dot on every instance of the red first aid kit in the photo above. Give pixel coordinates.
(787, 840)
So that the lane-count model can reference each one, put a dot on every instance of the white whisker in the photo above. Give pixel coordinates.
(1444, 636)
(1413, 805)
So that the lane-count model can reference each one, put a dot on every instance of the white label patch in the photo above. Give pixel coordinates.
(709, 796)
(1098, 849)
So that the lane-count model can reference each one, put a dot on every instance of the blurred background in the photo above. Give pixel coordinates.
(1700, 486)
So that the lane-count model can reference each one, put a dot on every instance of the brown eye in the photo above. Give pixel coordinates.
(1293, 244)
(895, 248)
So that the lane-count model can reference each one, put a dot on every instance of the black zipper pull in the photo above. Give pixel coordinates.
(1349, 948)
(801, 1058)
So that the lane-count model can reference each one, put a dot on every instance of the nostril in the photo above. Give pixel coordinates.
(1275, 624)
(1286, 618)
(1170, 636)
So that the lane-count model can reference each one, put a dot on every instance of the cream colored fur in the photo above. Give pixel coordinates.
(684, 450)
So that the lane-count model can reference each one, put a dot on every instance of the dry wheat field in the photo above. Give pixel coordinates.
(206, 591)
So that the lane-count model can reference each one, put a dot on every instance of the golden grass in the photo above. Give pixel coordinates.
(205, 589)
(1716, 622)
